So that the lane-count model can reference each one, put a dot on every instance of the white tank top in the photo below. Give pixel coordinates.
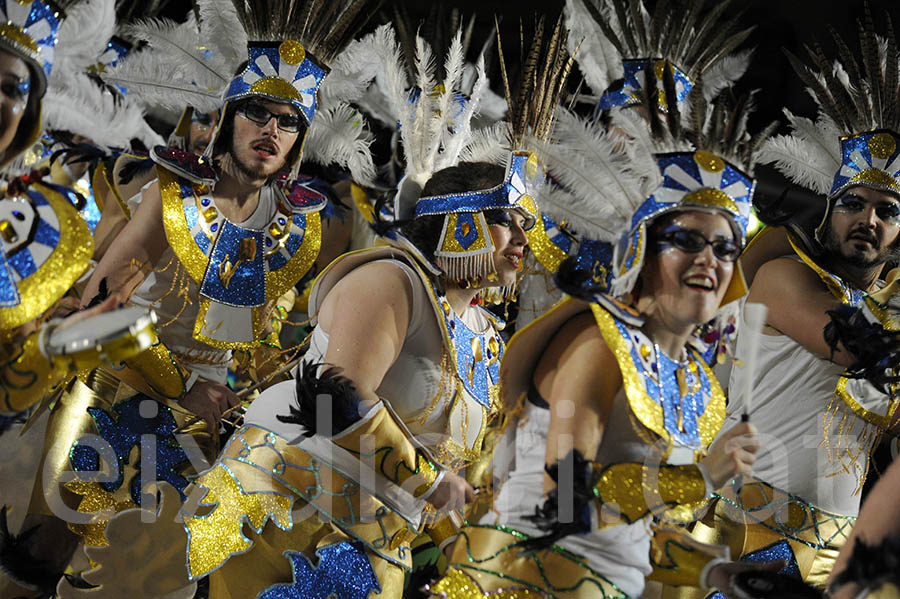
(418, 391)
(791, 395)
(161, 290)
(621, 553)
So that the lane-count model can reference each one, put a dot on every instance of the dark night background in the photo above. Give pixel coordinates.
(780, 24)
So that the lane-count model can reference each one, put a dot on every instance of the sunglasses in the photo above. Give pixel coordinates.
(257, 113)
(693, 242)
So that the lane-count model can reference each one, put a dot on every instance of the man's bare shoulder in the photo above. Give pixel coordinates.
(786, 274)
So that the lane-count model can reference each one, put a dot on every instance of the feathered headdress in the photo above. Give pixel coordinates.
(75, 102)
(622, 40)
(276, 49)
(434, 119)
(854, 140)
(532, 106)
(614, 183)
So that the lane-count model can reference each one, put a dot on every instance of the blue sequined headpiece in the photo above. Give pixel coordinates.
(283, 72)
(513, 194)
(635, 79)
(29, 29)
(869, 159)
(697, 180)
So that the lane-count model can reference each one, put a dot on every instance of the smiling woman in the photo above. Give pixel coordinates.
(612, 385)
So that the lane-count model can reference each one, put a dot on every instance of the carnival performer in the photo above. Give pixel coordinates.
(412, 365)
(829, 313)
(615, 49)
(615, 397)
(217, 241)
(46, 245)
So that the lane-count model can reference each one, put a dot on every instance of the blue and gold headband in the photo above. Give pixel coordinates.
(283, 72)
(29, 29)
(635, 80)
(697, 180)
(465, 247)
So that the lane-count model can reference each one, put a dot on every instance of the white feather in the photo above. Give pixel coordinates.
(179, 46)
(725, 72)
(461, 131)
(351, 72)
(597, 58)
(454, 66)
(426, 135)
(221, 29)
(149, 76)
(77, 104)
(338, 135)
(798, 160)
(83, 35)
(488, 144)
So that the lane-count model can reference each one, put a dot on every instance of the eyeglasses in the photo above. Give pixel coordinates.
(261, 116)
(693, 242)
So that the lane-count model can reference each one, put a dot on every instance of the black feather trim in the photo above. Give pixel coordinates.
(546, 516)
(870, 566)
(874, 348)
(102, 294)
(19, 565)
(133, 169)
(315, 392)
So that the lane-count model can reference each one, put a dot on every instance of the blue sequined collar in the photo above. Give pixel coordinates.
(678, 400)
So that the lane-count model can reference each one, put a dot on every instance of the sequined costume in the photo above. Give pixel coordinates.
(824, 425)
(829, 427)
(433, 400)
(614, 558)
(662, 420)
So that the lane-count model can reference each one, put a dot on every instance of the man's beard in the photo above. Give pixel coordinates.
(252, 173)
(857, 258)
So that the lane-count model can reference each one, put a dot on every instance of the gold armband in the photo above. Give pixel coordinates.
(441, 531)
(679, 560)
(631, 491)
(394, 454)
(156, 372)
(28, 375)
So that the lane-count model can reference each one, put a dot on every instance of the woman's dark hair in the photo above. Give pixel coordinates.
(573, 279)
(223, 141)
(425, 231)
(30, 120)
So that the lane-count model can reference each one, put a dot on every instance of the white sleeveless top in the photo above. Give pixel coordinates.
(791, 394)
(620, 553)
(414, 386)
(162, 291)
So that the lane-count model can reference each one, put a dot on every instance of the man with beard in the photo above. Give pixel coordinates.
(824, 391)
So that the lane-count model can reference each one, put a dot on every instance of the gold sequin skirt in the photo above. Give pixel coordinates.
(760, 520)
(101, 397)
(486, 563)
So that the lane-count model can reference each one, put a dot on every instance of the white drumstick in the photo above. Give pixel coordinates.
(754, 319)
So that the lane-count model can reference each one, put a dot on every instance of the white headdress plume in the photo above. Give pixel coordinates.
(75, 102)
(854, 139)
(434, 130)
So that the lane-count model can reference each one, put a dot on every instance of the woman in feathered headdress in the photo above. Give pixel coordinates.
(617, 398)
(618, 42)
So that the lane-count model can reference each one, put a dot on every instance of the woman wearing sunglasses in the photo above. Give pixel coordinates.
(618, 403)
